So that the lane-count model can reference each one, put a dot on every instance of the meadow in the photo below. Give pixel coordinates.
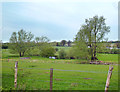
(34, 73)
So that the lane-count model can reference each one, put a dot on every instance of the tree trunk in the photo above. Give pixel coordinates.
(23, 53)
(20, 54)
(91, 49)
(91, 52)
(95, 54)
(95, 49)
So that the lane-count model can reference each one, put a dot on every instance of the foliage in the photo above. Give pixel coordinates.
(41, 39)
(63, 42)
(43, 50)
(80, 50)
(69, 43)
(33, 51)
(91, 32)
(56, 49)
(53, 43)
(62, 54)
(101, 47)
(4, 45)
(115, 51)
(20, 41)
(47, 50)
(57, 44)
(70, 54)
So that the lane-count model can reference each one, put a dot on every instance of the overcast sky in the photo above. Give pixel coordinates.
(56, 20)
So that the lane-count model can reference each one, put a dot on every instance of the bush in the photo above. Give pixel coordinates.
(62, 54)
(44, 50)
(70, 54)
(47, 51)
(115, 51)
(33, 52)
(4, 46)
(56, 49)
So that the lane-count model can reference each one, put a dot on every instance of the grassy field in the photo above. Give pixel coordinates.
(34, 73)
(102, 57)
(108, 57)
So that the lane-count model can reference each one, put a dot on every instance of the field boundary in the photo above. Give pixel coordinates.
(51, 76)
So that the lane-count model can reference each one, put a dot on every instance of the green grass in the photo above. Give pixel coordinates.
(6, 54)
(33, 76)
(108, 57)
(102, 57)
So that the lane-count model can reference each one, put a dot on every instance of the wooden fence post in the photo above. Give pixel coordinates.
(108, 79)
(16, 66)
(51, 78)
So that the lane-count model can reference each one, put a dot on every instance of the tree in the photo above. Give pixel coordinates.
(92, 32)
(44, 48)
(57, 44)
(69, 43)
(42, 39)
(47, 50)
(63, 42)
(20, 41)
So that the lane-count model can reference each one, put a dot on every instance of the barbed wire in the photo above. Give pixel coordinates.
(39, 80)
(61, 70)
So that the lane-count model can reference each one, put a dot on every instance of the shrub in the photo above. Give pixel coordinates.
(56, 49)
(33, 52)
(44, 50)
(62, 54)
(115, 51)
(47, 51)
(4, 46)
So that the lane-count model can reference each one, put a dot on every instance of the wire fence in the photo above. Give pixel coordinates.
(71, 83)
(57, 78)
(60, 70)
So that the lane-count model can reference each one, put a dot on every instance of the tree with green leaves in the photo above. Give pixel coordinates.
(41, 39)
(63, 42)
(44, 48)
(62, 54)
(69, 43)
(92, 32)
(20, 41)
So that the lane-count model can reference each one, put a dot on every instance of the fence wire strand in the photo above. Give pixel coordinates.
(62, 70)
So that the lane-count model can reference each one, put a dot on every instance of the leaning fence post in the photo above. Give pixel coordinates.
(108, 79)
(16, 66)
(51, 78)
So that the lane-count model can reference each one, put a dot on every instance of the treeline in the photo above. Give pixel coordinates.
(88, 41)
(24, 43)
(70, 43)
(62, 43)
